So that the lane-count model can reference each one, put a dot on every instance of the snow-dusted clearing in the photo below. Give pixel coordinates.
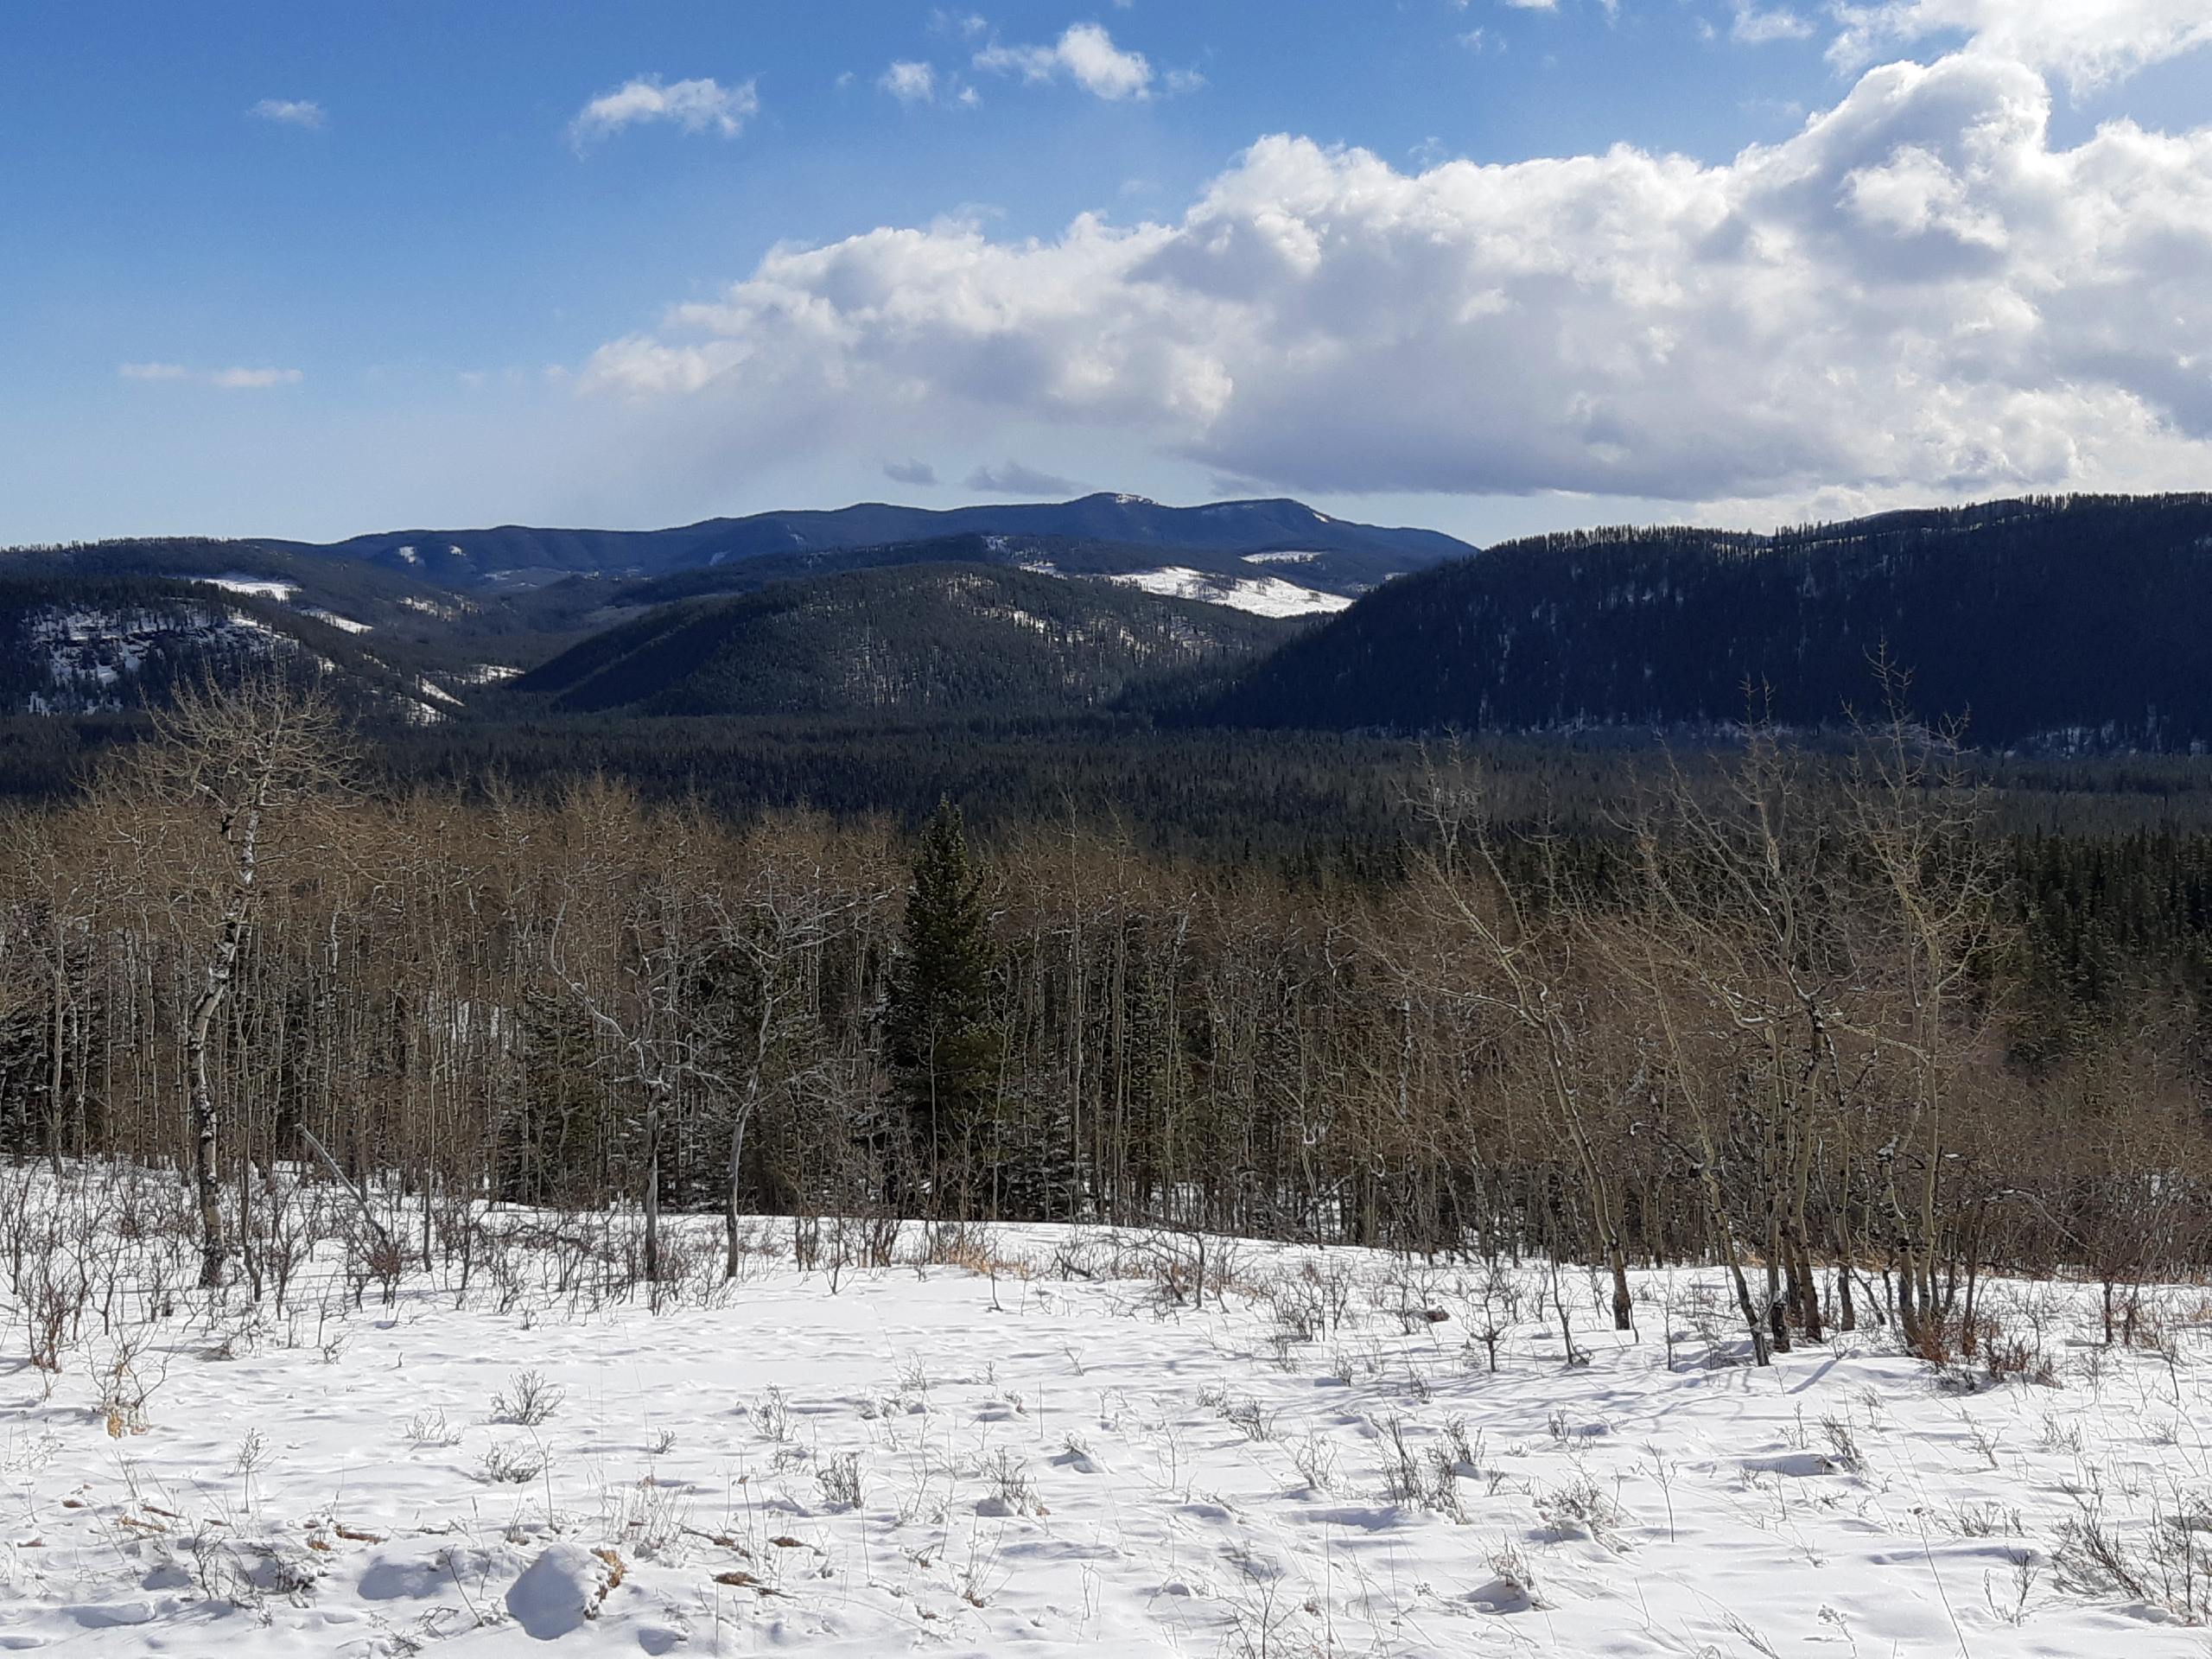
(1041, 1439)
(251, 587)
(1261, 595)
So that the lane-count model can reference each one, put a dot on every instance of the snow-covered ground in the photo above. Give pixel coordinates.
(1262, 595)
(1042, 1442)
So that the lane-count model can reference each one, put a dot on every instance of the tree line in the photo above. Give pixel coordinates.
(1785, 1016)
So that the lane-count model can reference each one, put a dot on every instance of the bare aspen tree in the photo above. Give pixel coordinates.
(62, 878)
(1531, 980)
(230, 783)
(1735, 934)
(1653, 969)
(775, 924)
(630, 923)
(1916, 813)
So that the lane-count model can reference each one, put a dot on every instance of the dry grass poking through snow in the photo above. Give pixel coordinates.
(1031, 1439)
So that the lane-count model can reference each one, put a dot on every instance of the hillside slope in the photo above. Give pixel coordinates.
(2080, 621)
(109, 625)
(112, 645)
(926, 638)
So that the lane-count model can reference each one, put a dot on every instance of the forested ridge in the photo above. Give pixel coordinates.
(915, 640)
(2069, 622)
(118, 643)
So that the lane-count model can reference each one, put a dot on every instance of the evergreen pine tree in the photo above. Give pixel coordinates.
(939, 1027)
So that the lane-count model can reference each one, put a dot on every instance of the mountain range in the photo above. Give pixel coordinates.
(425, 623)
(2045, 622)
(1344, 552)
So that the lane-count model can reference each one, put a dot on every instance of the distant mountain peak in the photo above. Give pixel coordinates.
(510, 553)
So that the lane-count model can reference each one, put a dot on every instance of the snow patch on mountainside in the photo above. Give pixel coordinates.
(343, 624)
(92, 652)
(251, 586)
(1260, 595)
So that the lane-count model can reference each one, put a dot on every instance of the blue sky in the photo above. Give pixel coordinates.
(309, 271)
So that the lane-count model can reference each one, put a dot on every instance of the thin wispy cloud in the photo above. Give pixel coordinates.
(1015, 479)
(1755, 25)
(230, 379)
(917, 473)
(703, 105)
(289, 112)
(253, 379)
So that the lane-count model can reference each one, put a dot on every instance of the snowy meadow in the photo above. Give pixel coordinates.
(879, 1438)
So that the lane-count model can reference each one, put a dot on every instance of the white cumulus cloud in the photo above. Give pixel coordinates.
(1917, 294)
(2090, 42)
(703, 105)
(1085, 54)
(910, 82)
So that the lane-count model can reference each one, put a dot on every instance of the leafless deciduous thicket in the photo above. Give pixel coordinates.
(1766, 1030)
